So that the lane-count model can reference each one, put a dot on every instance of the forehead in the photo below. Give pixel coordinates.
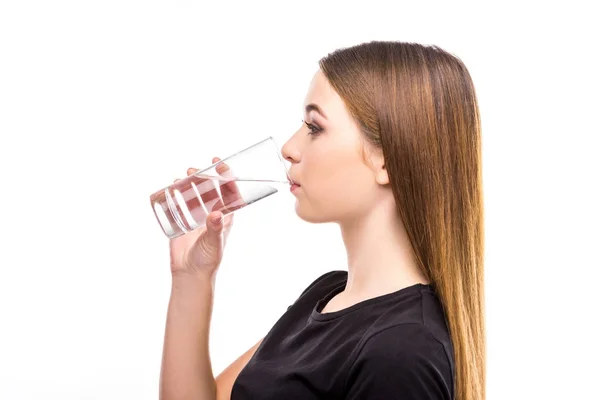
(321, 93)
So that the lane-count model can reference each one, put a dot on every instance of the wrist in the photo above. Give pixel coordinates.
(185, 280)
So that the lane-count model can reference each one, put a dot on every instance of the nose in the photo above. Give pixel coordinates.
(290, 151)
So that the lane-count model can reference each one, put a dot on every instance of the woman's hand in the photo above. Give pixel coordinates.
(201, 250)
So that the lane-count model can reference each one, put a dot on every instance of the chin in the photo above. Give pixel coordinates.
(311, 216)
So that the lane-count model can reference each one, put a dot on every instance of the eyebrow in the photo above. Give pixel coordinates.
(313, 107)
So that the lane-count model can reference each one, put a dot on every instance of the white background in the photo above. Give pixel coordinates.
(104, 102)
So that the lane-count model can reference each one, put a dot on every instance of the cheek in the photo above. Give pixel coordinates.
(338, 185)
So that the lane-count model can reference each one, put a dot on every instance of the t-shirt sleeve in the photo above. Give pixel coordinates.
(402, 362)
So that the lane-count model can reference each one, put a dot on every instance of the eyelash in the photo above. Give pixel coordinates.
(313, 129)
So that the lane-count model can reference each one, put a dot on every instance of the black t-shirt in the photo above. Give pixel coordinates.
(394, 346)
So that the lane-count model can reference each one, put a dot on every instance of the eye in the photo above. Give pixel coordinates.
(313, 129)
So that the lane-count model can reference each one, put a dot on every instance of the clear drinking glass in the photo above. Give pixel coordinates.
(227, 186)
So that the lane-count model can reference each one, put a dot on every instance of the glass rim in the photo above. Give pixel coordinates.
(268, 139)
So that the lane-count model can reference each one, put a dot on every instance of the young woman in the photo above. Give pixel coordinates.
(390, 150)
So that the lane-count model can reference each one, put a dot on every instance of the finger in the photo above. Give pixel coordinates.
(209, 244)
(232, 198)
(214, 228)
(215, 220)
(221, 167)
(193, 198)
(201, 195)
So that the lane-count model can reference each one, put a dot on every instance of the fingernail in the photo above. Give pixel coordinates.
(216, 219)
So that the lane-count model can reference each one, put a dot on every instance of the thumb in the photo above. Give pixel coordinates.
(212, 239)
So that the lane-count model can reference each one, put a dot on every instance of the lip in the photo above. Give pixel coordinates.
(294, 187)
(292, 181)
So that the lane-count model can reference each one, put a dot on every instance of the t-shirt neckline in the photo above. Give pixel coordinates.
(318, 316)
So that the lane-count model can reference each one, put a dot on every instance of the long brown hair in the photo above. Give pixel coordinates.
(418, 105)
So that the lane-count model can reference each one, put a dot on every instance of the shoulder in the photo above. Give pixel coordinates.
(327, 280)
(411, 342)
(321, 285)
(404, 360)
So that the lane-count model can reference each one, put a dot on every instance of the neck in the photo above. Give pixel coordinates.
(379, 254)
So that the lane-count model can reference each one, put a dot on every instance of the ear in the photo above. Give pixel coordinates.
(378, 165)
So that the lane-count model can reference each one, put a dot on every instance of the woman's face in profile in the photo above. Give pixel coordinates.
(326, 159)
